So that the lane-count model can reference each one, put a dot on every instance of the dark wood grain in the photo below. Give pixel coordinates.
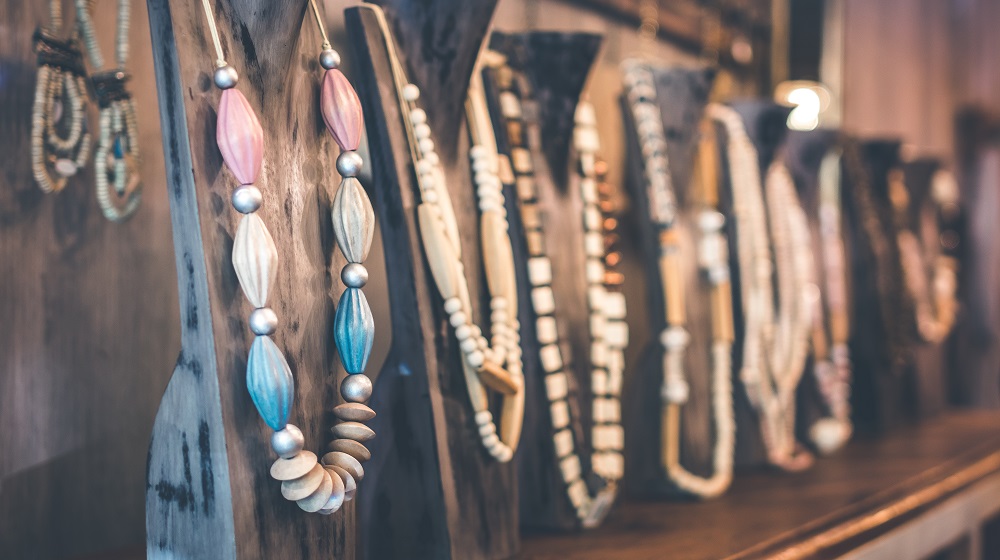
(766, 512)
(436, 494)
(209, 494)
(552, 68)
(90, 319)
(681, 94)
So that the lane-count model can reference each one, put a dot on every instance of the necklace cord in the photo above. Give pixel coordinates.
(319, 23)
(220, 59)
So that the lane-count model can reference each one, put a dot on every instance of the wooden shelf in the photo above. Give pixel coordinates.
(844, 504)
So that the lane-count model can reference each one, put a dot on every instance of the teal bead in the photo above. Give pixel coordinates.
(269, 380)
(354, 330)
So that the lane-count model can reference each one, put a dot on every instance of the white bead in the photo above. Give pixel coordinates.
(556, 386)
(491, 442)
(475, 358)
(545, 330)
(570, 467)
(594, 244)
(595, 271)
(551, 358)
(563, 442)
(592, 218)
(609, 437)
(588, 189)
(418, 116)
(462, 332)
(614, 305)
(458, 319)
(616, 334)
(510, 105)
(598, 353)
(710, 221)
(411, 92)
(540, 271)
(484, 417)
(595, 296)
(255, 259)
(478, 152)
(430, 196)
(424, 167)
(585, 115)
(498, 302)
(468, 345)
(560, 415)
(543, 300)
(426, 145)
(422, 131)
(675, 391)
(599, 382)
(452, 305)
(487, 429)
(674, 338)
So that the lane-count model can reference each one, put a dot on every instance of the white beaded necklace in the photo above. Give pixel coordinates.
(935, 305)
(608, 329)
(483, 361)
(713, 260)
(60, 97)
(831, 355)
(117, 156)
(770, 390)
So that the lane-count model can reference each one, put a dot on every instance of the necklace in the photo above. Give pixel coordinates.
(713, 261)
(117, 154)
(314, 486)
(831, 355)
(483, 360)
(60, 93)
(934, 305)
(354, 226)
(767, 375)
(609, 332)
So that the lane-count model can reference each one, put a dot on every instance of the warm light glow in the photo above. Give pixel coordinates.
(809, 100)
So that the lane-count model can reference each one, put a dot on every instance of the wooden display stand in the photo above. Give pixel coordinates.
(556, 66)
(681, 94)
(435, 492)
(209, 494)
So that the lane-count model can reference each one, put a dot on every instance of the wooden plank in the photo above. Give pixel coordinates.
(209, 494)
(767, 512)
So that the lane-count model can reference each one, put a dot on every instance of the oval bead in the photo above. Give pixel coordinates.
(439, 251)
(353, 412)
(240, 136)
(354, 330)
(269, 380)
(353, 220)
(353, 430)
(341, 110)
(255, 258)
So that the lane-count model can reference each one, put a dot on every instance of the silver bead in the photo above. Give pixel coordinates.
(263, 321)
(349, 164)
(329, 59)
(247, 199)
(356, 388)
(226, 77)
(288, 442)
(354, 275)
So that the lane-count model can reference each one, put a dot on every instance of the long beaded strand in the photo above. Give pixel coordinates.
(713, 261)
(117, 155)
(482, 363)
(608, 329)
(934, 305)
(831, 361)
(255, 259)
(766, 389)
(60, 97)
(354, 226)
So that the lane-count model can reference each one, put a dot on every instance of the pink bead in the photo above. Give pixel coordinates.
(240, 137)
(341, 110)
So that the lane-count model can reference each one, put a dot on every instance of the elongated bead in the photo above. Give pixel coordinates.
(270, 382)
(240, 137)
(439, 251)
(354, 330)
(341, 110)
(353, 220)
(255, 258)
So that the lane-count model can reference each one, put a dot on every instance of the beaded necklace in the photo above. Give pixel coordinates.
(483, 360)
(60, 102)
(314, 486)
(831, 330)
(767, 376)
(714, 262)
(609, 332)
(934, 305)
(117, 155)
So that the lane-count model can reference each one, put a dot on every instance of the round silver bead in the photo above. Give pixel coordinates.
(225, 77)
(329, 59)
(263, 321)
(247, 199)
(356, 388)
(354, 275)
(288, 442)
(349, 164)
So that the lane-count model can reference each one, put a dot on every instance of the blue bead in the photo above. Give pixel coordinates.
(118, 148)
(270, 382)
(354, 330)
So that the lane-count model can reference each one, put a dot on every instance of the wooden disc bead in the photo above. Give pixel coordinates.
(297, 466)
(352, 448)
(315, 501)
(346, 462)
(353, 412)
(353, 430)
(301, 487)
